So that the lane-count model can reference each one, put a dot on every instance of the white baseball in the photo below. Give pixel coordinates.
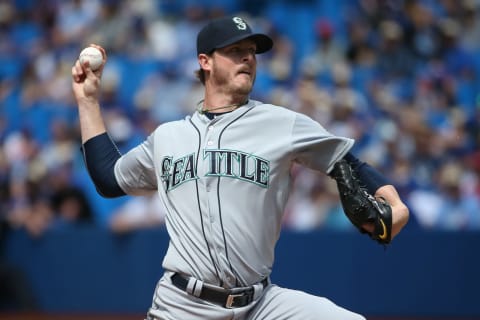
(93, 56)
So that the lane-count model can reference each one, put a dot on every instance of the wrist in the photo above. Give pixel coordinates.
(87, 102)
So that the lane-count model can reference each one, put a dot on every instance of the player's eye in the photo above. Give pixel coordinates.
(250, 50)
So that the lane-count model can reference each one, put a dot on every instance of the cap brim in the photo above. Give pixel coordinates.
(263, 42)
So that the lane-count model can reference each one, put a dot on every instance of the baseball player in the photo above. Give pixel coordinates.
(223, 175)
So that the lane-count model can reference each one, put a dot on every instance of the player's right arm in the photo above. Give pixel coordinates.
(106, 166)
(99, 151)
(86, 89)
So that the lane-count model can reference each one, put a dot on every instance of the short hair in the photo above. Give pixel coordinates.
(200, 75)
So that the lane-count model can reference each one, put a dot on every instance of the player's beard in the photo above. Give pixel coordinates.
(228, 84)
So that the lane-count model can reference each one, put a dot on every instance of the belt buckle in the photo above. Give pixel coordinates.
(231, 300)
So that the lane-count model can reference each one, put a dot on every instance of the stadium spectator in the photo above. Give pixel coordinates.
(407, 85)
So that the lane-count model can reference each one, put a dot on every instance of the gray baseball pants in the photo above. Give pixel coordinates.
(274, 303)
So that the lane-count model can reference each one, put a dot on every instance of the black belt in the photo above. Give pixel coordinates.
(228, 298)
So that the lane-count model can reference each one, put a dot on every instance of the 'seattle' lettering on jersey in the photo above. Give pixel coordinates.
(225, 183)
(223, 163)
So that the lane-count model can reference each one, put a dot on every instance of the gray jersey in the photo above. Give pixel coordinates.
(225, 183)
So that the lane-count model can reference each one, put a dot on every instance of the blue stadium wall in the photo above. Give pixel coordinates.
(421, 274)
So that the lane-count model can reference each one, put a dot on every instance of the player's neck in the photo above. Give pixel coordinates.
(221, 105)
(212, 116)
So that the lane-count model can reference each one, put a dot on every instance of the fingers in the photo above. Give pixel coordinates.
(78, 73)
(89, 73)
(81, 71)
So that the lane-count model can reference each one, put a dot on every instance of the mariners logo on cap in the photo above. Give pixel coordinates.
(241, 25)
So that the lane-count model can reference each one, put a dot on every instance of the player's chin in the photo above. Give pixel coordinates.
(245, 83)
(244, 89)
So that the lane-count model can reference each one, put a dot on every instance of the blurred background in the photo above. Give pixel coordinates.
(401, 77)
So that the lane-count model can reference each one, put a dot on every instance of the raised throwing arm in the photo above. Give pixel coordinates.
(86, 89)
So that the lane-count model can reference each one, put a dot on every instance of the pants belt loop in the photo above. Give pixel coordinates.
(258, 289)
(194, 287)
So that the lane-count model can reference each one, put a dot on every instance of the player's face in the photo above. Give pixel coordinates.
(234, 67)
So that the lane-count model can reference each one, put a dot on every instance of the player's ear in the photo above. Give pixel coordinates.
(204, 61)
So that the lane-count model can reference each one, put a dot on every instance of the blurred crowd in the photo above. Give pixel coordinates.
(401, 77)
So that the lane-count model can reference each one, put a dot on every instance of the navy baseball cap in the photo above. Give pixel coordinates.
(222, 32)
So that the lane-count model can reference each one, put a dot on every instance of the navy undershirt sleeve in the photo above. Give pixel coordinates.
(100, 155)
(371, 178)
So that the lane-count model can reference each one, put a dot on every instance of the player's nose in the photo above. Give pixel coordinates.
(247, 54)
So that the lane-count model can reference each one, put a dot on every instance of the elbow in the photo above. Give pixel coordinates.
(109, 193)
(100, 155)
(108, 187)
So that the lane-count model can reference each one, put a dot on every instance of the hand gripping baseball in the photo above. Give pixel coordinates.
(86, 82)
(360, 207)
(86, 89)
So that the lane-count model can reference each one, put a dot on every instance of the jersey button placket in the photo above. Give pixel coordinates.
(212, 207)
(210, 143)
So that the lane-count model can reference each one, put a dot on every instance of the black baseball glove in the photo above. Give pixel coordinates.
(360, 207)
